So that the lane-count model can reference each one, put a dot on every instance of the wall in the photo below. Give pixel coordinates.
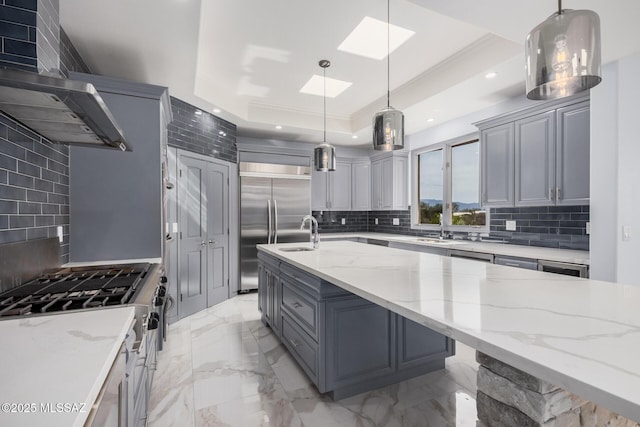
(34, 174)
(34, 186)
(70, 59)
(202, 133)
(22, 24)
(615, 197)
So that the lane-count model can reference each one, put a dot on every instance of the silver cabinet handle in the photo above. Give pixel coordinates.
(510, 264)
(294, 342)
(550, 193)
(275, 221)
(296, 304)
(557, 194)
(269, 220)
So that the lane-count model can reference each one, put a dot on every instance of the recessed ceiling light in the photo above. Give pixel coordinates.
(491, 75)
(198, 113)
(216, 110)
(354, 136)
(278, 127)
(334, 87)
(369, 38)
(430, 119)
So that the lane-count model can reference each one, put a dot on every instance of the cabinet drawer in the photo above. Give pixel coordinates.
(301, 346)
(529, 264)
(302, 308)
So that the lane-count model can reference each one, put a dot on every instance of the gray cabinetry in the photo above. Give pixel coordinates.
(572, 155)
(389, 182)
(497, 165)
(526, 263)
(535, 160)
(332, 190)
(345, 344)
(361, 186)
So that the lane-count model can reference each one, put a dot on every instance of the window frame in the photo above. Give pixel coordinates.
(446, 148)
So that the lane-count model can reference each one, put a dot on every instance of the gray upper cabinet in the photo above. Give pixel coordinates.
(389, 182)
(572, 155)
(497, 167)
(361, 186)
(331, 191)
(535, 160)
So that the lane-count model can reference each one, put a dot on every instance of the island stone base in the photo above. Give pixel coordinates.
(510, 397)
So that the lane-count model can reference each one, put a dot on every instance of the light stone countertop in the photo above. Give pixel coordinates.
(580, 334)
(59, 358)
(533, 252)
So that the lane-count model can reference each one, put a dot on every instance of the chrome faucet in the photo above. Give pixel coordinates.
(315, 236)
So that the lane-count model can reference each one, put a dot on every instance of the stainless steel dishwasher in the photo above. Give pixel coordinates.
(477, 256)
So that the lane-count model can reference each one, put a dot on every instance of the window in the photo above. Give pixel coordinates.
(448, 187)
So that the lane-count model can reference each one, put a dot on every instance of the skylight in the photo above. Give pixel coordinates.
(369, 38)
(334, 87)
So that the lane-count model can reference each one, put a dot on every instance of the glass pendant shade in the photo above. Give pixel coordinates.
(562, 55)
(324, 156)
(388, 130)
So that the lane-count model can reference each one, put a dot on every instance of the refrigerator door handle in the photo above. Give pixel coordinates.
(275, 222)
(269, 221)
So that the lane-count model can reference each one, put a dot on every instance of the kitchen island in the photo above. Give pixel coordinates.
(53, 367)
(580, 335)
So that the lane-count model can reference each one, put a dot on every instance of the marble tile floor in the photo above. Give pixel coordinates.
(223, 367)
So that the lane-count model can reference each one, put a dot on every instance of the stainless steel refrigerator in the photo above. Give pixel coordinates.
(273, 201)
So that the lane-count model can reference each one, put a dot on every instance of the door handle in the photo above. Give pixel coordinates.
(275, 221)
(269, 220)
(203, 243)
(212, 242)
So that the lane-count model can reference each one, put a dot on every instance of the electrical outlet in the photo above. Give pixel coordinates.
(376, 221)
(510, 225)
(60, 234)
(396, 221)
(588, 228)
(626, 232)
(344, 221)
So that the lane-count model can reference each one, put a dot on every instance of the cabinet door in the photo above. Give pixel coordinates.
(192, 199)
(217, 233)
(400, 178)
(376, 185)
(535, 160)
(497, 165)
(361, 186)
(418, 344)
(572, 155)
(387, 184)
(319, 190)
(360, 340)
(340, 187)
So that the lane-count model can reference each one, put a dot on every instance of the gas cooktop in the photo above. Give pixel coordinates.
(74, 289)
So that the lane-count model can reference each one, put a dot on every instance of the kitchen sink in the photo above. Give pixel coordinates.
(296, 249)
(442, 242)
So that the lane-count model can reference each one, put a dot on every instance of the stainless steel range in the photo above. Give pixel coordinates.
(98, 287)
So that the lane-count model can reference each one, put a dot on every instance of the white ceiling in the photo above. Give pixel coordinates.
(251, 58)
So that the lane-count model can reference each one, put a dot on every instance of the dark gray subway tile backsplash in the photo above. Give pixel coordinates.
(202, 132)
(553, 226)
(34, 194)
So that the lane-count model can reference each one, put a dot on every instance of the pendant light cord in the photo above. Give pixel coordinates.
(324, 104)
(389, 54)
(559, 7)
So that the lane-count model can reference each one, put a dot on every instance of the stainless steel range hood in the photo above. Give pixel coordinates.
(61, 110)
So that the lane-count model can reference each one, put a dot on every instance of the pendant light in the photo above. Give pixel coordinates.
(388, 123)
(324, 154)
(563, 54)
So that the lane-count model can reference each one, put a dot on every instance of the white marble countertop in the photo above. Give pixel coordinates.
(116, 261)
(534, 252)
(581, 334)
(60, 358)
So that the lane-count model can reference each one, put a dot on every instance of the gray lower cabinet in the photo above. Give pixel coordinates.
(345, 344)
(526, 263)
